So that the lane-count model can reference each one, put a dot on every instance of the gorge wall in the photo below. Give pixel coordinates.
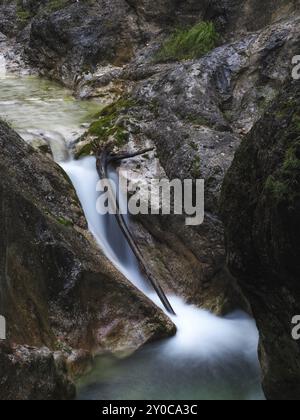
(261, 199)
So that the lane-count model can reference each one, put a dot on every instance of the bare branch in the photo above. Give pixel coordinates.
(104, 158)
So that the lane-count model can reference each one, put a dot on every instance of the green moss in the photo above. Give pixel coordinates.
(296, 122)
(23, 14)
(197, 120)
(87, 150)
(186, 44)
(284, 185)
(117, 107)
(65, 222)
(154, 107)
(54, 5)
(286, 108)
(121, 137)
(194, 146)
(107, 127)
(292, 162)
(103, 127)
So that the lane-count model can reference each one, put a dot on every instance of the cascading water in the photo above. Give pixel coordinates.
(104, 228)
(210, 357)
(205, 346)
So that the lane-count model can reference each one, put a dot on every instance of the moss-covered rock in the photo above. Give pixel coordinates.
(29, 373)
(108, 125)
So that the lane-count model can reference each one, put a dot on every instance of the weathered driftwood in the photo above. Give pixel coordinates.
(105, 157)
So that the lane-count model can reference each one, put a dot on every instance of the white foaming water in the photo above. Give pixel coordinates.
(200, 333)
(203, 335)
(105, 229)
(209, 358)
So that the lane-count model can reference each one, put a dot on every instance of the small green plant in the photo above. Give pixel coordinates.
(284, 184)
(23, 15)
(186, 44)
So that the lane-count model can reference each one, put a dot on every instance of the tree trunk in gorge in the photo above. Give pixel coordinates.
(105, 157)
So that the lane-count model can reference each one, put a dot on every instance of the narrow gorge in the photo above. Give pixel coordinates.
(206, 90)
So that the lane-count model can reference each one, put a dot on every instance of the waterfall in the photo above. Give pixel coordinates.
(105, 229)
(203, 339)
(210, 357)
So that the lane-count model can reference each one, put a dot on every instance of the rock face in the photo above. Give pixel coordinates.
(69, 37)
(78, 36)
(239, 16)
(57, 289)
(261, 203)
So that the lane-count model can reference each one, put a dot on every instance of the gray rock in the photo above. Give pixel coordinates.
(28, 373)
(76, 37)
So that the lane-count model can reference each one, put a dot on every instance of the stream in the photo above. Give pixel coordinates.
(210, 358)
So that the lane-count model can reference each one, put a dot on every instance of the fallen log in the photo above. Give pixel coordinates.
(105, 157)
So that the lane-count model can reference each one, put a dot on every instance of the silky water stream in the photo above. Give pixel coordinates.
(210, 358)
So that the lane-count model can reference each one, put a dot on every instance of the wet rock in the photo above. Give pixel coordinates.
(8, 24)
(57, 288)
(260, 205)
(78, 36)
(29, 373)
(236, 17)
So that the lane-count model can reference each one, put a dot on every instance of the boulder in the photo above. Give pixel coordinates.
(29, 373)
